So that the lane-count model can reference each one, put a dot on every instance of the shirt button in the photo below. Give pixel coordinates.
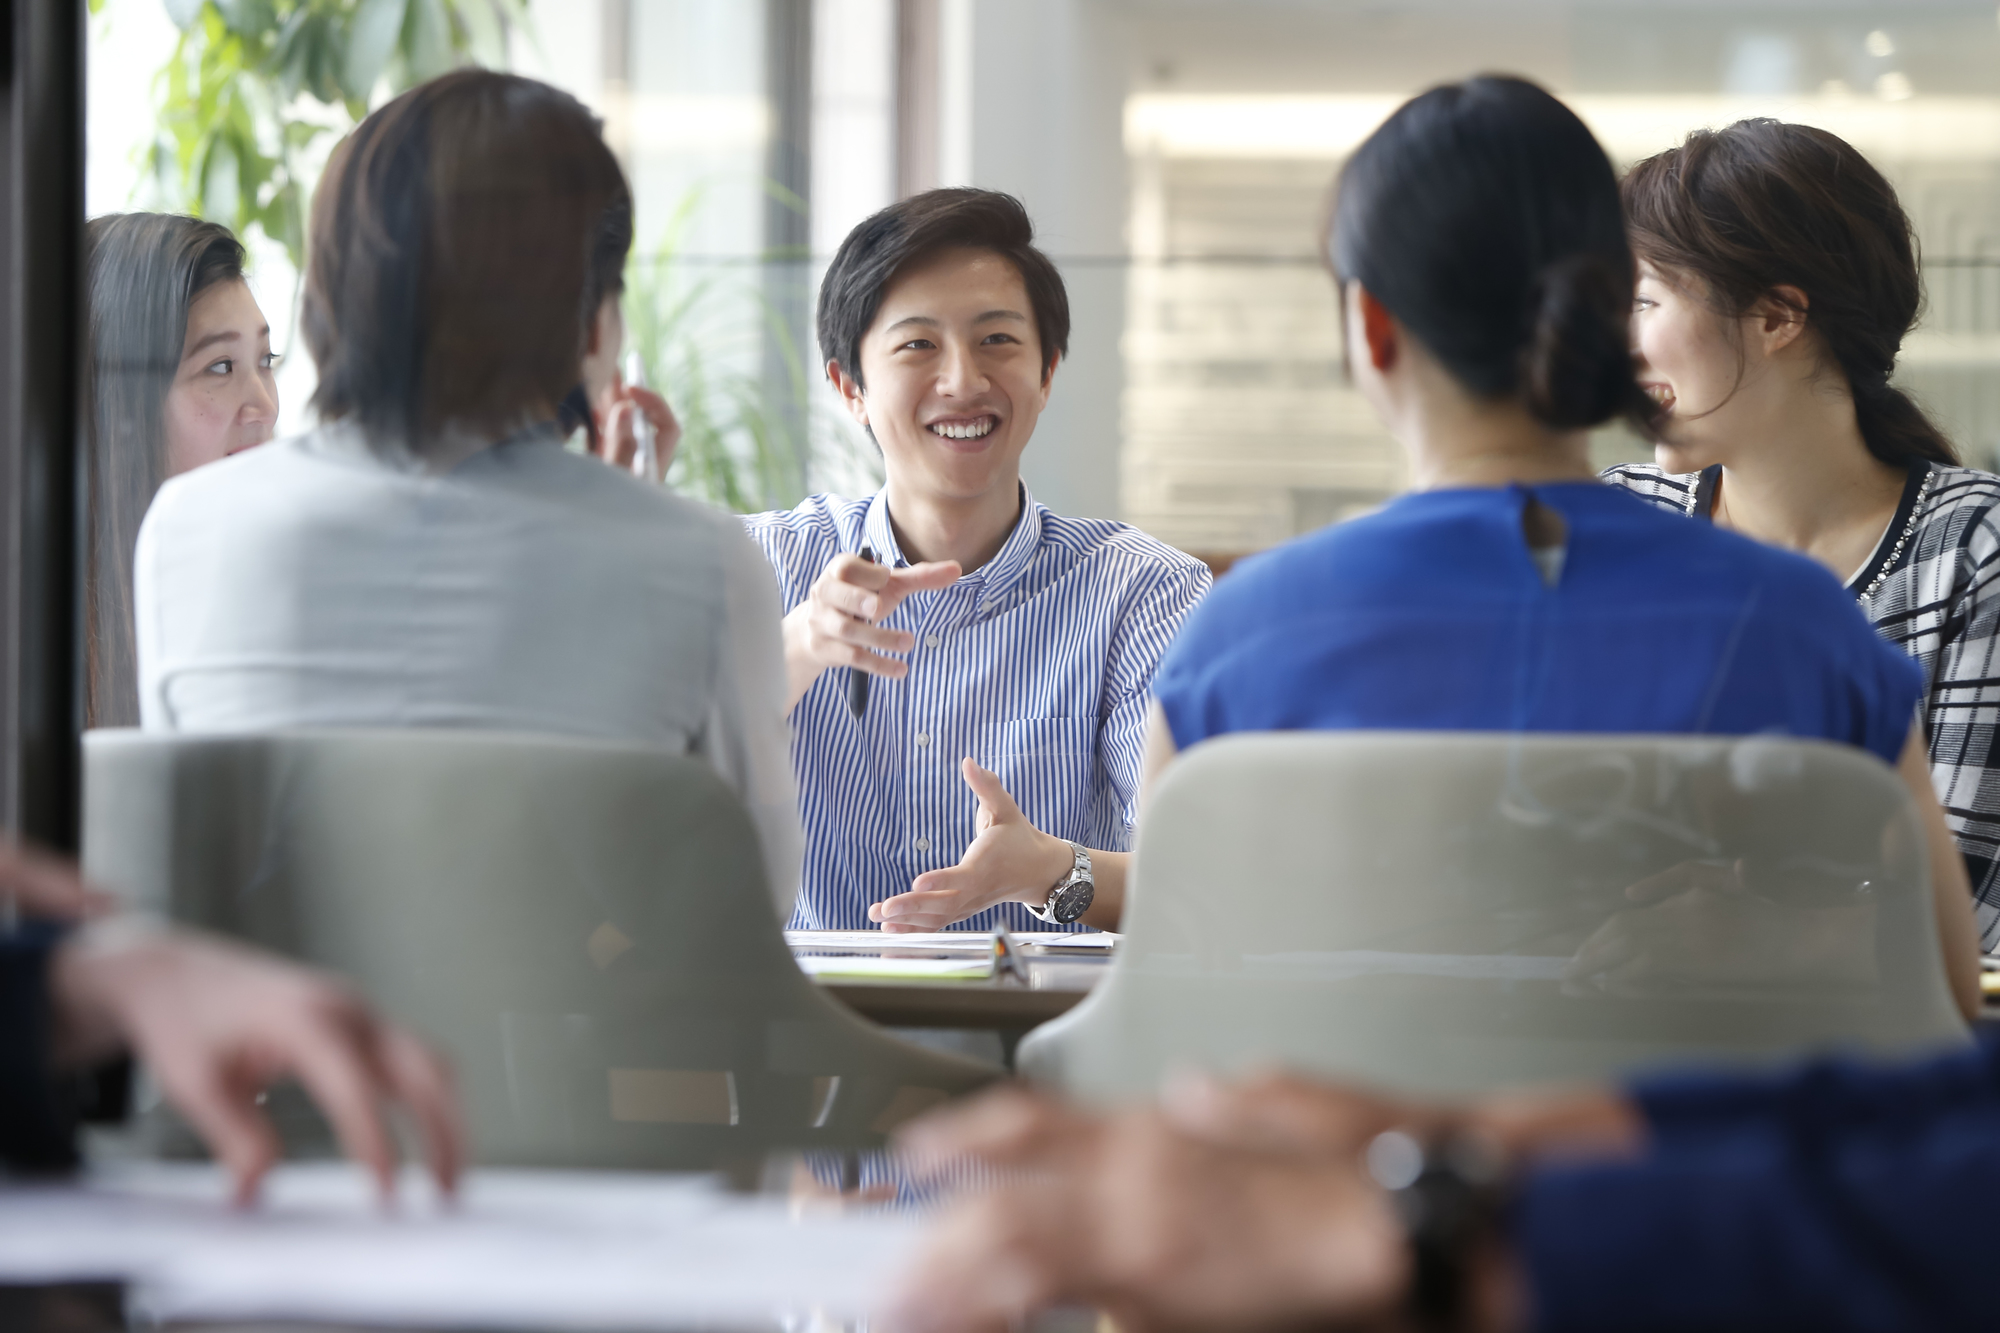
(932, 641)
(923, 738)
(988, 606)
(923, 844)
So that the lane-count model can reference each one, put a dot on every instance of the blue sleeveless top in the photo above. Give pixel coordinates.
(1432, 613)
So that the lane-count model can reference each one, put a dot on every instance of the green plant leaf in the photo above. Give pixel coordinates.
(287, 211)
(229, 125)
(291, 56)
(486, 26)
(327, 59)
(703, 333)
(219, 192)
(298, 133)
(371, 37)
(426, 40)
(249, 18)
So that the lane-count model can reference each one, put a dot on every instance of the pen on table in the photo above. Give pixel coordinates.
(857, 679)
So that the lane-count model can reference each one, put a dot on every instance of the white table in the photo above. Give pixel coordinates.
(521, 1250)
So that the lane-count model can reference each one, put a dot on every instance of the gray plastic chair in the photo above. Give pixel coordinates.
(1447, 913)
(583, 927)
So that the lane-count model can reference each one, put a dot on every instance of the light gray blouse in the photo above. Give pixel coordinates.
(311, 583)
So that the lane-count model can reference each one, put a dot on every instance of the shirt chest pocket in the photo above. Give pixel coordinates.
(1049, 766)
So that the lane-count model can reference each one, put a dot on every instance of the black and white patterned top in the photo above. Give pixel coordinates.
(1932, 588)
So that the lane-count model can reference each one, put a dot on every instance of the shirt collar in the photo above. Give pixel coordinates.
(1007, 566)
(995, 577)
(879, 535)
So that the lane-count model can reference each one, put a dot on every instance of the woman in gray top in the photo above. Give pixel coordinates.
(1777, 278)
(431, 555)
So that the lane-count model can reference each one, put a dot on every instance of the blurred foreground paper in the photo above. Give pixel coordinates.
(523, 1249)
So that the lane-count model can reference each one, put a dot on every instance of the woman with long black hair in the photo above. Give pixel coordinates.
(180, 373)
(1777, 278)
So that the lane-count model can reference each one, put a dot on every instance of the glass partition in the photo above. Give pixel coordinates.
(1177, 159)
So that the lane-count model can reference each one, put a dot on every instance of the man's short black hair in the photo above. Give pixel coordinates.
(884, 245)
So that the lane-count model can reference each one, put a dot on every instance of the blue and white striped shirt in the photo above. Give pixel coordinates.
(1038, 665)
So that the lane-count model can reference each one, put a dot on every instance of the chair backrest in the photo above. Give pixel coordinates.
(1446, 913)
(584, 927)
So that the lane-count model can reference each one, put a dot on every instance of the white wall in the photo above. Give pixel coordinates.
(853, 116)
(1044, 82)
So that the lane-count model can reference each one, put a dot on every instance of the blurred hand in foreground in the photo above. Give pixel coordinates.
(36, 884)
(1156, 1227)
(217, 1023)
(1282, 1112)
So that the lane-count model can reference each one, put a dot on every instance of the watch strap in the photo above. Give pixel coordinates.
(1079, 870)
(1449, 1198)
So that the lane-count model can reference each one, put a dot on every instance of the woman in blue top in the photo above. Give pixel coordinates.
(1486, 285)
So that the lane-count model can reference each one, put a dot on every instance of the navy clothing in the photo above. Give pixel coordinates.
(1836, 1197)
(1432, 614)
(35, 1129)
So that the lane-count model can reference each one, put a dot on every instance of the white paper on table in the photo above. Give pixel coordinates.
(521, 1249)
(871, 968)
(1084, 941)
(870, 941)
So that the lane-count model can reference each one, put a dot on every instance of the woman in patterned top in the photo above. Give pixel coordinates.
(1777, 278)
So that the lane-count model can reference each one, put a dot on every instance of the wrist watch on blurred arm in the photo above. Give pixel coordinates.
(1071, 896)
(1450, 1196)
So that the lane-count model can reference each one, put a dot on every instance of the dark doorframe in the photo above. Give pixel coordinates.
(41, 224)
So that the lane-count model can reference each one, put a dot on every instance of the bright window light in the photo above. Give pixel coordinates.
(1899, 127)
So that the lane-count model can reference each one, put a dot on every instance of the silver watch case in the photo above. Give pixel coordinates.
(1072, 895)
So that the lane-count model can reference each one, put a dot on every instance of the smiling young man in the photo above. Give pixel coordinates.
(992, 762)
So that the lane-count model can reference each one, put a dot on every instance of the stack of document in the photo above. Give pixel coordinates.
(951, 955)
(946, 941)
(518, 1250)
(870, 967)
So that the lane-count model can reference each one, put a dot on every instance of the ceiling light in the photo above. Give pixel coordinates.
(1880, 45)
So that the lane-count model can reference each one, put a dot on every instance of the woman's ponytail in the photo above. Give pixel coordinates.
(1576, 366)
(1485, 217)
(1895, 429)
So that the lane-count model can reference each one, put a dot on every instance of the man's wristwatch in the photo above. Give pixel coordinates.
(1450, 1196)
(1071, 896)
